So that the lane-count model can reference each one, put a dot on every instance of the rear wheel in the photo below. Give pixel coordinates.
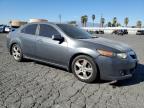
(17, 52)
(84, 68)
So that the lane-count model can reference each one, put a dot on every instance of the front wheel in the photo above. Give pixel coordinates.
(84, 68)
(17, 53)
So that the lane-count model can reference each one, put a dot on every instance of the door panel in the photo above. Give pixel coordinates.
(51, 50)
(48, 49)
(28, 39)
(28, 44)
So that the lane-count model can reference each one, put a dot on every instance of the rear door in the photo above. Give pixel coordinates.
(28, 38)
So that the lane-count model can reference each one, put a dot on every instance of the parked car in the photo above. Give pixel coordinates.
(74, 49)
(96, 32)
(10, 29)
(91, 32)
(7, 29)
(125, 31)
(99, 32)
(120, 32)
(2, 28)
(140, 32)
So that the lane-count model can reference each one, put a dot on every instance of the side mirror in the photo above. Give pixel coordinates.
(57, 37)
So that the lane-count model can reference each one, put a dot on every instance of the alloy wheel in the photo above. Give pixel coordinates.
(83, 69)
(16, 52)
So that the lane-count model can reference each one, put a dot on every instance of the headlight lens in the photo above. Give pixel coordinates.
(112, 54)
(105, 53)
(122, 55)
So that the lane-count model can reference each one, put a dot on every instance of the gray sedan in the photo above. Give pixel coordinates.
(66, 46)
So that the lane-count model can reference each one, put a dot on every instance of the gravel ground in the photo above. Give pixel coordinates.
(31, 84)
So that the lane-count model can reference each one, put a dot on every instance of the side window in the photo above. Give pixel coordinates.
(47, 31)
(30, 29)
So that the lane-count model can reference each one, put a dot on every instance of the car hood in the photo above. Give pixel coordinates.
(109, 43)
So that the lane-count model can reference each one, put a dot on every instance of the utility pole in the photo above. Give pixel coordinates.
(60, 18)
(101, 20)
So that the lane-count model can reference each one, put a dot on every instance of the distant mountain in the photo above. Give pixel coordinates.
(89, 24)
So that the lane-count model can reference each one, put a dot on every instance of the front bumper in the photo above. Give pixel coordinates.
(116, 68)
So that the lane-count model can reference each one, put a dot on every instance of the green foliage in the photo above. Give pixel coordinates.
(126, 21)
(93, 18)
(109, 24)
(84, 20)
(114, 22)
(102, 21)
(139, 24)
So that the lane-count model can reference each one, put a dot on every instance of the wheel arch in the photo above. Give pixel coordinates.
(11, 45)
(78, 54)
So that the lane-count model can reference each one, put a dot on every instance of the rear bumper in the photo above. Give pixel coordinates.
(116, 69)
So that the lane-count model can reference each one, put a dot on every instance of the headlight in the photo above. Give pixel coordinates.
(122, 55)
(105, 53)
(112, 54)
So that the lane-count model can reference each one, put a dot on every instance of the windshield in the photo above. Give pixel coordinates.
(74, 32)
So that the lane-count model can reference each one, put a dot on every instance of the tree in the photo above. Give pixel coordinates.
(93, 18)
(126, 21)
(139, 24)
(109, 24)
(84, 20)
(10, 22)
(118, 24)
(72, 22)
(102, 21)
(114, 22)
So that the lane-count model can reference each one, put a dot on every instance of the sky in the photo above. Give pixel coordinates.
(72, 10)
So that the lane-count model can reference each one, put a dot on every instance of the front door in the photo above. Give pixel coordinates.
(50, 50)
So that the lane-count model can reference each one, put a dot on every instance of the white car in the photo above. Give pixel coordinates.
(7, 29)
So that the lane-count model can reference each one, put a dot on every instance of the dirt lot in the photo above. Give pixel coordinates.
(36, 85)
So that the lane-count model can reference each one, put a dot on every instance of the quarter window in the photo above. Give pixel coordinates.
(47, 31)
(30, 29)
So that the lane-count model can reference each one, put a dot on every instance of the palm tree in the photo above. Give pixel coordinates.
(102, 21)
(109, 24)
(84, 20)
(72, 22)
(114, 22)
(93, 18)
(139, 24)
(118, 24)
(126, 21)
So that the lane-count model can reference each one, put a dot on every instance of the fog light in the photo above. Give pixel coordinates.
(123, 72)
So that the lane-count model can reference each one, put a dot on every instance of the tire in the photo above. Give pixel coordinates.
(17, 53)
(84, 69)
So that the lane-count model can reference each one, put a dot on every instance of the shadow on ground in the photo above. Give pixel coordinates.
(137, 78)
